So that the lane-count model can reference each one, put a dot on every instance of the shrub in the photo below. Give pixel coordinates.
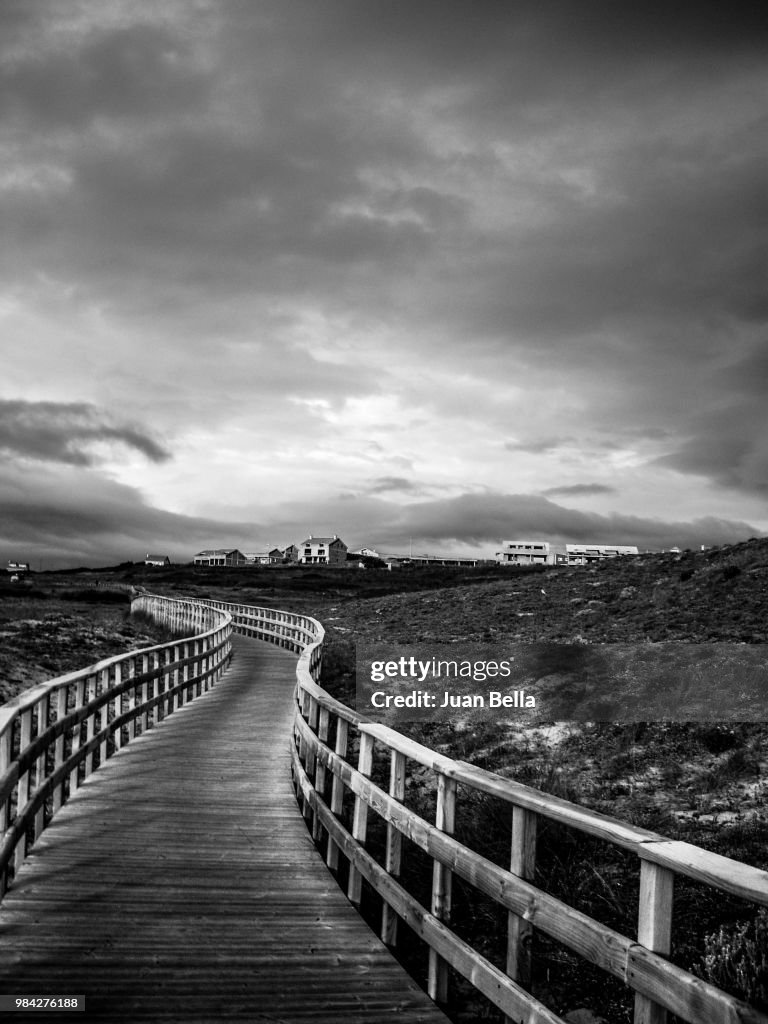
(96, 595)
(736, 960)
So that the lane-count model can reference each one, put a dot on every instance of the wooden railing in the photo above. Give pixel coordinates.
(54, 735)
(326, 734)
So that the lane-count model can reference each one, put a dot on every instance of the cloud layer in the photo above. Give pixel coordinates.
(67, 432)
(259, 256)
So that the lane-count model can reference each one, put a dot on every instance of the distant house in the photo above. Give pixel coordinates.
(323, 551)
(17, 568)
(369, 553)
(220, 556)
(273, 557)
(157, 560)
(526, 552)
(542, 552)
(291, 553)
(449, 560)
(585, 554)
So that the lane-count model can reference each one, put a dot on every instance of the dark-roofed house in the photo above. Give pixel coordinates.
(323, 551)
(272, 557)
(157, 560)
(220, 556)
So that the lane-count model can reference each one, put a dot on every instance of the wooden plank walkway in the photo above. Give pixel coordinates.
(180, 883)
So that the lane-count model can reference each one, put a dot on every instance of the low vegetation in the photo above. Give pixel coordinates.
(701, 782)
(48, 629)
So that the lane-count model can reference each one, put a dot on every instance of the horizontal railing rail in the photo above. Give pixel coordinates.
(323, 774)
(54, 735)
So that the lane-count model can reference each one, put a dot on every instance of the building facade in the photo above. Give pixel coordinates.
(157, 560)
(220, 557)
(585, 554)
(528, 552)
(542, 552)
(322, 551)
(272, 557)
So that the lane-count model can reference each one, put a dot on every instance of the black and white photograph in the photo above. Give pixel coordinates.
(384, 511)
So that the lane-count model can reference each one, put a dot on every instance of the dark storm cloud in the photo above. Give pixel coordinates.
(726, 438)
(399, 484)
(62, 432)
(538, 445)
(123, 72)
(578, 490)
(482, 519)
(71, 516)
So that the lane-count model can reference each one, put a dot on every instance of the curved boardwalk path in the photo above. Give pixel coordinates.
(180, 882)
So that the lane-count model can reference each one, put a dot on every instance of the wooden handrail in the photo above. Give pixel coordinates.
(54, 735)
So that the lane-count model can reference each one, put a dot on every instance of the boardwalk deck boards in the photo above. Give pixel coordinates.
(180, 883)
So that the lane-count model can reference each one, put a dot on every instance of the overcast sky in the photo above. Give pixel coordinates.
(458, 272)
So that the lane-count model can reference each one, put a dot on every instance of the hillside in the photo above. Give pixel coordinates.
(716, 595)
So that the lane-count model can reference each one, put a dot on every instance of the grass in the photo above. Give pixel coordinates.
(47, 631)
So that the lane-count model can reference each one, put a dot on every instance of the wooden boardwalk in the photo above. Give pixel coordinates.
(180, 883)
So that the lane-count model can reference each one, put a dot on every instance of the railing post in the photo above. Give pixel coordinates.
(118, 732)
(58, 750)
(74, 776)
(189, 685)
(306, 756)
(394, 852)
(5, 761)
(178, 697)
(360, 816)
(442, 884)
(22, 790)
(103, 686)
(90, 693)
(205, 664)
(146, 692)
(337, 790)
(312, 717)
(42, 725)
(522, 863)
(168, 682)
(301, 703)
(654, 929)
(322, 735)
(132, 701)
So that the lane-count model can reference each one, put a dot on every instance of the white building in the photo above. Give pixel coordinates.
(220, 556)
(322, 551)
(584, 554)
(526, 552)
(273, 557)
(542, 552)
(157, 560)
